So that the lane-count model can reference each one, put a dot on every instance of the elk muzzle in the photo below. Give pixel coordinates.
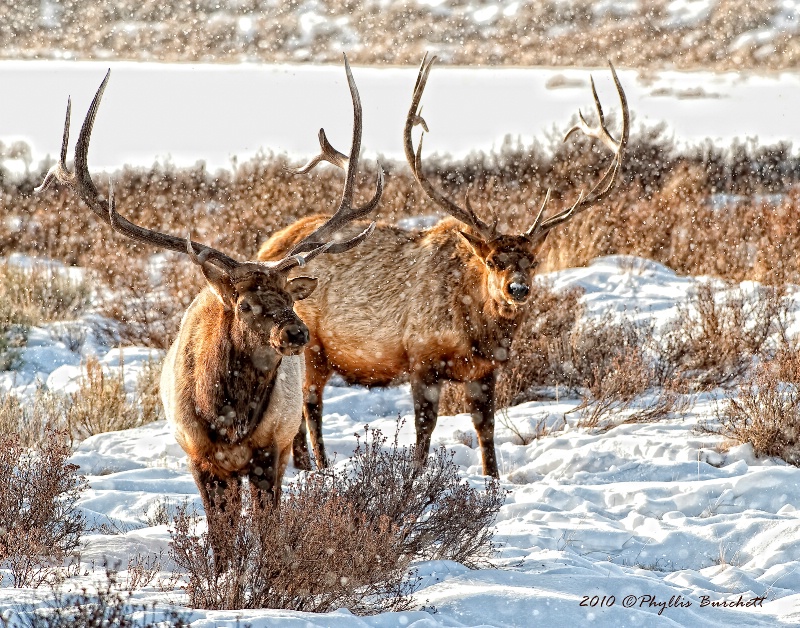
(518, 289)
(289, 339)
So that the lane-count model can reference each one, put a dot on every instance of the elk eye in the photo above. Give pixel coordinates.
(244, 306)
(490, 264)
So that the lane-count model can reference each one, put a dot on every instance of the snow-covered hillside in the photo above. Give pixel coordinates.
(650, 518)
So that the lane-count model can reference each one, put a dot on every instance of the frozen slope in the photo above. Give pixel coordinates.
(650, 514)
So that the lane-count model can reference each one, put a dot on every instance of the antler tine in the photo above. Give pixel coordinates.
(287, 263)
(414, 158)
(604, 185)
(346, 212)
(536, 223)
(59, 171)
(327, 153)
(80, 182)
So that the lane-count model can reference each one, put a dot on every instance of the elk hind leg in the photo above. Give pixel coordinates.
(481, 396)
(317, 373)
(425, 392)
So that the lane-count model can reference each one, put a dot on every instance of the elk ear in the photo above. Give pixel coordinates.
(221, 285)
(301, 287)
(478, 245)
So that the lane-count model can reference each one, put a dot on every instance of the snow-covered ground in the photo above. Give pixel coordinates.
(650, 517)
(187, 113)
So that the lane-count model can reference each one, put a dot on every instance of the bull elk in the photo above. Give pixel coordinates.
(433, 305)
(232, 381)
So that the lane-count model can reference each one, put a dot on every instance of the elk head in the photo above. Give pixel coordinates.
(511, 259)
(257, 297)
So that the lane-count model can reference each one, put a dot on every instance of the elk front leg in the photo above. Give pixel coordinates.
(317, 373)
(480, 395)
(222, 500)
(425, 391)
(264, 482)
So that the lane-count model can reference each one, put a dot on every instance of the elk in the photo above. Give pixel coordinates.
(432, 305)
(232, 380)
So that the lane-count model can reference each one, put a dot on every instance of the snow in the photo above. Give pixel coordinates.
(181, 113)
(640, 510)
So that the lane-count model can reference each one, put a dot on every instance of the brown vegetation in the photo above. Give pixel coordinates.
(40, 525)
(342, 538)
(764, 412)
(535, 34)
(100, 404)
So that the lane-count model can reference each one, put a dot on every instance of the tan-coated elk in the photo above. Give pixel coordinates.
(232, 381)
(433, 305)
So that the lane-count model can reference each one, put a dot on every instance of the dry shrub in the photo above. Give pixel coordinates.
(40, 525)
(440, 517)
(31, 297)
(544, 33)
(149, 305)
(613, 394)
(39, 295)
(29, 420)
(101, 404)
(525, 437)
(102, 607)
(712, 341)
(315, 553)
(342, 538)
(765, 413)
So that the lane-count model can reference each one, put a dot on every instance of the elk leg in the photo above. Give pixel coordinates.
(480, 394)
(425, 392)
(317, 373)
(263, 475)
(222, 500)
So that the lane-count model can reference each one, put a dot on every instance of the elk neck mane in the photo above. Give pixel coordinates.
(488, 324)
(229, 388)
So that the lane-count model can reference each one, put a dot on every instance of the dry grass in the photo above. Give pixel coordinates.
(31, 297)
(764, 412)
(40, 525)
(39, 295)
(539, 34)
(100, 404)
(342, 538)
(715, 337)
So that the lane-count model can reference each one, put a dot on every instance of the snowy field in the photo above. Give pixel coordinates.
(651, 514)
(185, 113)
(646, 513)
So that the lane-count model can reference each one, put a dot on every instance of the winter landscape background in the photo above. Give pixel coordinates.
(645, 511)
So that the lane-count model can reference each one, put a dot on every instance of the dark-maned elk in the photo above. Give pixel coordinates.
(232, 381)
(433, 305)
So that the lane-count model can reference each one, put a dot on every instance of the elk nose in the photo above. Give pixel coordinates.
(518, 290)
(295, 335)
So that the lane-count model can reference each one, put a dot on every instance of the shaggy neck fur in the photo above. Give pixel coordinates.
(235, 379)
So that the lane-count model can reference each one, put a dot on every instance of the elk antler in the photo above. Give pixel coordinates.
(345, 213)
(602, 187)
(81, 183)
(540, 226)
(414, 118)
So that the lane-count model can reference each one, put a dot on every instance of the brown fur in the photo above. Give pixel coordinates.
(231, 383)
(422, 304)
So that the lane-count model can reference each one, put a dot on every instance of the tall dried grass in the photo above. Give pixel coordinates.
(546, 33)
